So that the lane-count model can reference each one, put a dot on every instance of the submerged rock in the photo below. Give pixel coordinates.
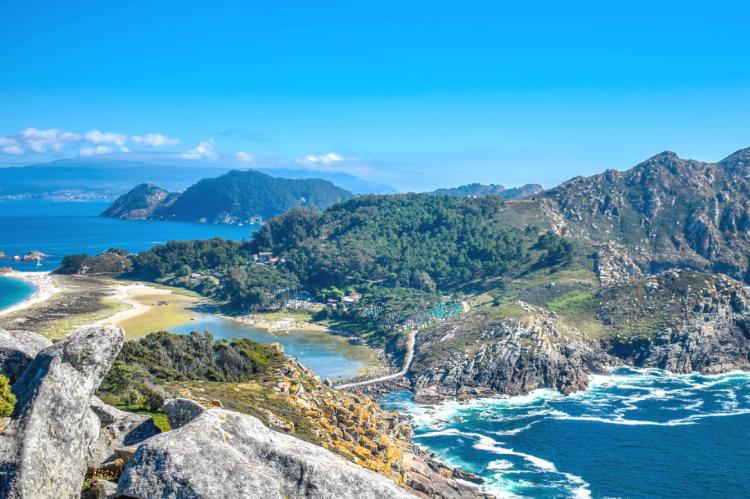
(222, 453)
(45, 448)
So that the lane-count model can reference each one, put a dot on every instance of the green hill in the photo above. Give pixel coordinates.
(236, 196)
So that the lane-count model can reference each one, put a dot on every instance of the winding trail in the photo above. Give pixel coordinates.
(411, 342)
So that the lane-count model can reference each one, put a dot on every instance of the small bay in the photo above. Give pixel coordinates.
(58, 229)
(13, 291)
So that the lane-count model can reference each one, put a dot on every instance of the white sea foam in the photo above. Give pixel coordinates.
(628, 397)
(499, 464)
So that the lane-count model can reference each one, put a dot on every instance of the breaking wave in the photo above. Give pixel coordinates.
(544, 444)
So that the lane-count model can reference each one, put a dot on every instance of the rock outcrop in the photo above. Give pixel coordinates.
(613, 264)
(45, 448)
(480, 355)
(17, 350)
(117, 429)
(682, 321)
(666, 211)
(223, 453)
(140, 203)
(350, 425)
(181, 411)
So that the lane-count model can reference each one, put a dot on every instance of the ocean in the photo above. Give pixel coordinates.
(637, 433)
(60, 229)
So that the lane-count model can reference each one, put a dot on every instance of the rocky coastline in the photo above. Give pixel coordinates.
(681, 321)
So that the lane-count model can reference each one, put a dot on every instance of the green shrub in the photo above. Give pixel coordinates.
(7, 399)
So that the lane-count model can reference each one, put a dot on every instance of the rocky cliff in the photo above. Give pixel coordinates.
(291, 399)
(679, 320)
(667, 211)
(482, 355)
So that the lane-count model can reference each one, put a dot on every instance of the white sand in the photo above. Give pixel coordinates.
(128, 293)
(45, 289)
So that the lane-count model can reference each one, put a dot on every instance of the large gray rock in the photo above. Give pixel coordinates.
(17, 350)
(44, 449)
(118, 429)
(181, 411)
(222, 453)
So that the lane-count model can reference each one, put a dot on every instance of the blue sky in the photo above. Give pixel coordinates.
(414, 94)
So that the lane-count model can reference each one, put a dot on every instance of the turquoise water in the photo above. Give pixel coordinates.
(13, 291)
(636, 434)
(327, 355)
(60, 229)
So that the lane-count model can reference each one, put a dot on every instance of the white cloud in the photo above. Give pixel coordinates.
(106, 138)
(50, 140)
(10, 146)
(91, 151)
(204, 150)
(322, 159)
(154, 140)
(245, 157)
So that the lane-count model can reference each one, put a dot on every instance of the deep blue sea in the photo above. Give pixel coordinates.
(60, 229)
(635, 434)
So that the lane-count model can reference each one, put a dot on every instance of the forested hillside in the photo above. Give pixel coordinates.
(413, 240)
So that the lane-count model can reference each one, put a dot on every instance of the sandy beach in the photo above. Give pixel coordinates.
(45, 289)
(129, 293)
(276, 322)
(149, 308)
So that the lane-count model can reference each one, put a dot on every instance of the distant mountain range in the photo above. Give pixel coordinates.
(95, 178)
(235, 197)
(481, 190)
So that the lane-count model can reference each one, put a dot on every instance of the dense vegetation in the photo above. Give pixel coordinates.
(481, 190)
(112, 261)
(143, 366)
(417, 241)
(189, 256)
(258, 286)
(373, 243)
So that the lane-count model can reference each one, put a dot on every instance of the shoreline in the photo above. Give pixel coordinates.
(123, 293)
(45, 289)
